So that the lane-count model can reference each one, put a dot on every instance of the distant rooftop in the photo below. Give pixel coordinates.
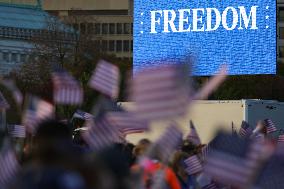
(23, 3)
(15, 14)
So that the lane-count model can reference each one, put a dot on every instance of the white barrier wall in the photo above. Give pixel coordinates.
(209, 116)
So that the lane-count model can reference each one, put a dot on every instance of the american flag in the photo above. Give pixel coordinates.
(66, 89)
(245, 130)
(270, 126)
(9, 167)
(210, 186)
(272, 174)
(193, 165)
(83, 115)
(101, 134)
(105, 79)
(167, 143)
(227, 161)
(127, 122)
(17, 131)
(10, 84)
(205, 182)
(3, 102)
(160, 93)
(259, 151)
(37, 111)
(104, 105)
(212, 85)
(205, 150)
(281, 136)
(193, 135)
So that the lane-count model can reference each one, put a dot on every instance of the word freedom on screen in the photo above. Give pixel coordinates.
(179, 21)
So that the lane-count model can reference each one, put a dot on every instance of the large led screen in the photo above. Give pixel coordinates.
(240, 33)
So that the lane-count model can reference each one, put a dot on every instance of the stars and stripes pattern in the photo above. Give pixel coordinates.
(9, 167)
(83, 115)
(37, 111)
(205, 150)
(168, 142)
(101, 134)
(270, 126)
(271, 175)
(17, 95)
(160, 93)
(245, 130)
(127, 122)
(193, 135)
(205, 182)
(17, 131)
(281, 136)
(210, 186)
(228, 169)
(3, 102)
(193, 165)
(66, 89)
(105, 79)
(259, 151)
(227, 161)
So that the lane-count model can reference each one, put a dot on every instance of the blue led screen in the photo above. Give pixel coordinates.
(240, 33)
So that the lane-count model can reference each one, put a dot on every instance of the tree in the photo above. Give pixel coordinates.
(74, 51)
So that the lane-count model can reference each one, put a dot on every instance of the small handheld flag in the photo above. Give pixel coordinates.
(66, 89)
(270, 126)
(105, 79)
(37, 111)
(245, 130)
(193, 135)
(193, 165)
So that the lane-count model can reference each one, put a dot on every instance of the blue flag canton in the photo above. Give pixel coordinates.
(229, 144)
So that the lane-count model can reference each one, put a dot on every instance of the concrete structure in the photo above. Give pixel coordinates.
(210, 116)
(18, 24)
(21, 23)
(109, 21)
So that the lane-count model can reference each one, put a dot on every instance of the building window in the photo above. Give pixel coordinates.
(104, 45)
(90, 28)
(281, 14)
(131, 45)
(119, 28)
(83, 28)
(118, 46)
(281, 51)
(98, 28)
(281, 33)
(5, 31)
(14, 57)
(6, 56)
(131, 28)
(104, 28)
(126, 46)
(111, 45)
(126, 28)
(23, 58)
(76, 27)
(98, 45)
(112, 28)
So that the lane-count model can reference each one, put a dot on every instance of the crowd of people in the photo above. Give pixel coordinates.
(57, 158)
(44, 152)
